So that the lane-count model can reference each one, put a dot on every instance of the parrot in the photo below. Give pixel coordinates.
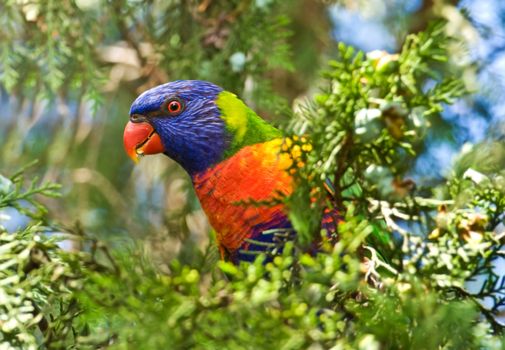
(237, 161)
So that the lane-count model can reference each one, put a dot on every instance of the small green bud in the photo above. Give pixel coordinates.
(6, 185)
(368, 124)
(237, 61)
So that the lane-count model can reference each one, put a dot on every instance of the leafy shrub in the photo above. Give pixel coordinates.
(398, 277)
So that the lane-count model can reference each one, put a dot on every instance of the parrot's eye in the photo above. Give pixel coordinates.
(174, 106)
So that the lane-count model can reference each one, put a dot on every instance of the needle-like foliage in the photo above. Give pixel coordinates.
(413, 266)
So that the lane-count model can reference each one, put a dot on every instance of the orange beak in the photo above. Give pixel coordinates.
(140, 139)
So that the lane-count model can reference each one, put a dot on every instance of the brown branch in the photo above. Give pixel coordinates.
(126, 34)
(426, 13)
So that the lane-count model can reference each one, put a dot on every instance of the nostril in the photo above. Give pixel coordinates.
(137, 118)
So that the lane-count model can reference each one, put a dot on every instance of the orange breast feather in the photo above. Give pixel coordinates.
(255, 173)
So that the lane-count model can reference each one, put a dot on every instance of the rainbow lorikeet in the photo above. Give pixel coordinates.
(233, 157)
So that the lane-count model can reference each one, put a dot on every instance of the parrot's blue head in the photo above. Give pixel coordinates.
(182, 120)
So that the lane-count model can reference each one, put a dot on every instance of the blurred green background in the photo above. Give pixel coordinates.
(69, 71)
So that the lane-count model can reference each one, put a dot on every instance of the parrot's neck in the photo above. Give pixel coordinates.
(238, 127)
(243, 125)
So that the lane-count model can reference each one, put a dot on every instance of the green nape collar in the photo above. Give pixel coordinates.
(243, 123)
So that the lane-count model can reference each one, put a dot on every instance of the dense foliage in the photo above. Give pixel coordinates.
(415, 266)
(335, 299)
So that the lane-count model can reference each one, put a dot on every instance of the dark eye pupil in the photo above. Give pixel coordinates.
(173, 106)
